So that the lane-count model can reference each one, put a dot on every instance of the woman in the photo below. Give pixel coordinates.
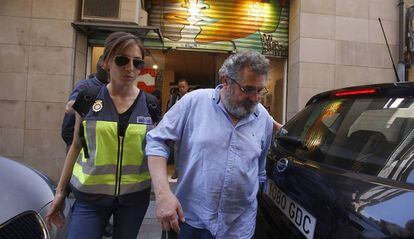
(106, 165)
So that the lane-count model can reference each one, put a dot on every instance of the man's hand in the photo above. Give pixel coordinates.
(168, 208)
(276, 125)
(68, 107)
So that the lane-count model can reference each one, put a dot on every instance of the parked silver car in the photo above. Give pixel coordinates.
(25, 198)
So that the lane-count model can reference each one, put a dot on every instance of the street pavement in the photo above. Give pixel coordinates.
(150, 228)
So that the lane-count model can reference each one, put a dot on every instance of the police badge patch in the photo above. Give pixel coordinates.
(144, 120)
(97, 106)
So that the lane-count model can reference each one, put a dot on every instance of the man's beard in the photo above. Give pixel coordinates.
(238, 109)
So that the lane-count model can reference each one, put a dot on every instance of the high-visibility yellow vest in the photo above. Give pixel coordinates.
(113, 164)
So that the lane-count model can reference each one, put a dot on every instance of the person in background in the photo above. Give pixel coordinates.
(225, 134)
(106, 165)
(176, 96)
(94, 80)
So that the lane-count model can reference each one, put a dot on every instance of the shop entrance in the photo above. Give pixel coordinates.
(198, 68)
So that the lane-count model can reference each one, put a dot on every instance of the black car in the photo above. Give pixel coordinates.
(343, 167)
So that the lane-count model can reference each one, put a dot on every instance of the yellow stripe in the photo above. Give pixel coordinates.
(133, 140)
(86, 179)
(134, 178)
(106, 141)
(85, 134)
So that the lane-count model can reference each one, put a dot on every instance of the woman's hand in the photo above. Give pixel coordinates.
(55, 214)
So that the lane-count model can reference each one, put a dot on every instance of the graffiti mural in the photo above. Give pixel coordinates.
(229, 25)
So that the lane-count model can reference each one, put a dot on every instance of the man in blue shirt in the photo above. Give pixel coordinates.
(225, 135)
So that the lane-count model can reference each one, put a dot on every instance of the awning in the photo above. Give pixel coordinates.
(98, 31)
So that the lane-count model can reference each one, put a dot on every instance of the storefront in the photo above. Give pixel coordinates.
(191, 39)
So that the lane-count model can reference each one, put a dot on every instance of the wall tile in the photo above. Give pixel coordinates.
(380, 75)
(16, 8)
(13, 58)
(350, 76)
(44, 116)
(294, 29)
(80, 65)
(292, 88)
(317, 50)
(12, 114)
(12, 141)
(317, 75)
(294, 48)
(51, 60)
(351, 29)
(56, 9)
(376, 35)
(81, 43)
(385, 9)
(49, 88)
(63, 33)
(294, 8)
(45, 151)
(319, 6)
(352, 53)
(352, 8)
(376, 54)
(13, 86)
(317, 26)
(387, 58)
(14, 30)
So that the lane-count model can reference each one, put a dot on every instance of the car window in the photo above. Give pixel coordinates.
(374, 136)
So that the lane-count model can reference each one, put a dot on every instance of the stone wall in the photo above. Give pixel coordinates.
(337, 43)
(37, 45)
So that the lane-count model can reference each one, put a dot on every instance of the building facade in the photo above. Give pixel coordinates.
(332, 44)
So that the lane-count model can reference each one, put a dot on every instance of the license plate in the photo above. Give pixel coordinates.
(301, 218)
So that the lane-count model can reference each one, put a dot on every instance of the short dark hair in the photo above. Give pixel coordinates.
(257, 62)
(182, 80)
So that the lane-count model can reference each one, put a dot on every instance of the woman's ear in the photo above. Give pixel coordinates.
(105, 66)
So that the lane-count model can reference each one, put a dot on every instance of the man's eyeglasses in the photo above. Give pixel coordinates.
(124, 60)
(251, 90)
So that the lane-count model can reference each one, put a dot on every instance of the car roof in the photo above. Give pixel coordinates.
(373, 90)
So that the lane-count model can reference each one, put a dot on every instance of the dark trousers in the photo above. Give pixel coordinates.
(188, 232)
(88, 221)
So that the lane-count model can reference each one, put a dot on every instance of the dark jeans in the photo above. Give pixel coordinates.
(88, 221)
(189, 232)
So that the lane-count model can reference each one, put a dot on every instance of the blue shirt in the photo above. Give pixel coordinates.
(84, 84)
(221, 164)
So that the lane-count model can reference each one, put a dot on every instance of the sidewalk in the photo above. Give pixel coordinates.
(150, 228)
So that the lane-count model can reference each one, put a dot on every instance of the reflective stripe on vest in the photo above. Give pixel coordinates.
(116, 165)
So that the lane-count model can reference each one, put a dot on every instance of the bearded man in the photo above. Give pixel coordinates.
(225, 134)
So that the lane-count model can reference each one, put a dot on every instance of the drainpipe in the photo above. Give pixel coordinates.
(401, 64)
